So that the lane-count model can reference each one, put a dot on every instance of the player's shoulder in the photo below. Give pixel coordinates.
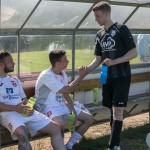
(46, 73)
(120, 26)
(100, 32)
(13, 78)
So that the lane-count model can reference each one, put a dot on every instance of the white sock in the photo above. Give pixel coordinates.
(74, 138)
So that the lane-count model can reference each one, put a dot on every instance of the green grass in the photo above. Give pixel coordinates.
(37, 61)
(132, 139)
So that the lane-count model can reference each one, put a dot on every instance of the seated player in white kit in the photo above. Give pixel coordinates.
(52, 93)
(12, 100)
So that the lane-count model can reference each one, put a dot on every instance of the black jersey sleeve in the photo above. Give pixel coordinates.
(127, 38)
(98, 49)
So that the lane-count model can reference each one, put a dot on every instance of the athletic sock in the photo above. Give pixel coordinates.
(115, 135)
(74, 138)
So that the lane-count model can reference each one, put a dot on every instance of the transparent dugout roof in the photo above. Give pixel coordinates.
(57, 14)
(14, 12)
(133, 1)
(118, 14)
(68, 14)
(140, 20)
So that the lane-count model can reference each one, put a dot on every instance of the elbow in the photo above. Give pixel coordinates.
(65, 90)
(135, 54)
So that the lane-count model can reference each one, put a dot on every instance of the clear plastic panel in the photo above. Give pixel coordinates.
(9, 44)
(133, 1)
(141, 19)
(84, 53)
(57, 14)
(14, 12)
(119, 14)
(35, 50)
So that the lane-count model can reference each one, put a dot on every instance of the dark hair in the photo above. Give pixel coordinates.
(3, 54)
(55, 56)
(102, 6)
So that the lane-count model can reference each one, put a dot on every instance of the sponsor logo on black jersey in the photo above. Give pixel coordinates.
(14, 83)
(107, 43)
(9, 90)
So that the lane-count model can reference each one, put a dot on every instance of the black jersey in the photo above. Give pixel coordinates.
(114, 43)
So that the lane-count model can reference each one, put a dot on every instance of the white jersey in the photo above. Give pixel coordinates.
(11, 91)
(47, 88)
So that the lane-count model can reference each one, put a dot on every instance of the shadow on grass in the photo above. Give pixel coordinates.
(131, 139)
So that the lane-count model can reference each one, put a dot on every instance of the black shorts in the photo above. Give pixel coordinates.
(115, 92)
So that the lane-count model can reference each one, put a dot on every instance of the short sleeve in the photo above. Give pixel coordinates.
(98, 49)
(51, 82)
(127, 38)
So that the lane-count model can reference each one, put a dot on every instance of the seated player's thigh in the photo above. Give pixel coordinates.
(58, 120)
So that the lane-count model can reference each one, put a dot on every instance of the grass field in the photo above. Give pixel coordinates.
(133, 139)
(37, 61)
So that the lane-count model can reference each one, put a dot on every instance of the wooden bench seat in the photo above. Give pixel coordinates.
(29, 87)
(94, 109)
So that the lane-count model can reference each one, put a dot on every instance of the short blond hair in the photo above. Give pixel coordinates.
(102, 6)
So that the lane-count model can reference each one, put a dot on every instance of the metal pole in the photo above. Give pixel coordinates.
(18, 35)
(29, 16)
(0, 15)
(84, 17)
(18, 52)
(133, 12)
(73, 55)
(74, 41)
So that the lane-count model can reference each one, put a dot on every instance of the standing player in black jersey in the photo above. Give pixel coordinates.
(114, 47)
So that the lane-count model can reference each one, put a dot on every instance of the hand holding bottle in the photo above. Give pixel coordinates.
(30, 104)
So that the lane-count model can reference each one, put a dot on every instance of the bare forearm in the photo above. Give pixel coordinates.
(72, 86)
(69, 103)
(4, 107)
(95, 63)
(127, 57)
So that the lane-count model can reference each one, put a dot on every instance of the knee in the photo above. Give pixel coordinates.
(56, 130)
(21, 132)
(118, 114)
(62, 128)
(90, 120)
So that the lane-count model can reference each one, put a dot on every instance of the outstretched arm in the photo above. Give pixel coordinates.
(95, 63)
(127, 57)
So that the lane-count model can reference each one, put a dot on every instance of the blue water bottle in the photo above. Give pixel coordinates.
(103, 74)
